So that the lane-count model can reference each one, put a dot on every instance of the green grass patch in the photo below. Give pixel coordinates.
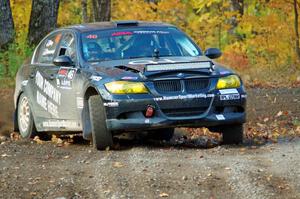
(11, 59)
(7, 82)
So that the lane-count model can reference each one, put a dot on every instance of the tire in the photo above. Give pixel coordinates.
(101, 136)
(25, 119)
(232, 134)
(161, 134)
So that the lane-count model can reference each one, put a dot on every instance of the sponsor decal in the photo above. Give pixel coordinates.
(46, 104)
(57, 38)
(151, 32)
(244, 96)
(65, 84)
(180, 97)
(121, 33)
(63, 72)
(228, 91)
(71, 74)
(111, 104)
(47, 89)
(65, 77)
(92, 36)
(24, 83)
(60, 124)
(224, 72)
(49, 43)
(96, 78)
(68, 73)
(129, 78)
(220, 117)
(230, 97)
(48, 52)
(79, 101)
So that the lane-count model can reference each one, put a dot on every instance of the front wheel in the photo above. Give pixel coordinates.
(232, 134)
(25, 118)
(102, 137)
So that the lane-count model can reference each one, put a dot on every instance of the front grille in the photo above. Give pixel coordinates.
(192, 85)
(167, 86)
(184, 112)
(171, 86)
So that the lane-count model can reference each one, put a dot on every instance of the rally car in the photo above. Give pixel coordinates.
(106, 78)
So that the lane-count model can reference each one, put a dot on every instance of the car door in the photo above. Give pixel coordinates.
(65, 80)
(42, 105)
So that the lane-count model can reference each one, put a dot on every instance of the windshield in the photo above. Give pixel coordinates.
(136, 43)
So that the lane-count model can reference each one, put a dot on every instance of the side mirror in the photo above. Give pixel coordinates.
(213, 53)
(63, 60)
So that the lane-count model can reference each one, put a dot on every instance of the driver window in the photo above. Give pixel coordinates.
(68, 47)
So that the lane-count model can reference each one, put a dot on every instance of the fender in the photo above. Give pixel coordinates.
(22, 89)
(90, 89)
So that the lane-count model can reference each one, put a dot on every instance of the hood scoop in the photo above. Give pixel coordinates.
(126, 68)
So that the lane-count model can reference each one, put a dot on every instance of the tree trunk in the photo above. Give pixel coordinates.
(236, 6)
(297, 47)
(84, 11)
(43, 19)
(6, 24)
(102, 10)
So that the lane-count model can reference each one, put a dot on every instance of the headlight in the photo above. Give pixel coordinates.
(231, 81)
(124, 87)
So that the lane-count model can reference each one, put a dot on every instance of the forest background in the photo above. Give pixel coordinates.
(259, 38)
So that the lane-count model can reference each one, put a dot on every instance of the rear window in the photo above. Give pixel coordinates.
(136, 43)
(45, 52)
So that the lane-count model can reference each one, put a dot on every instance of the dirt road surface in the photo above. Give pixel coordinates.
(182, 168)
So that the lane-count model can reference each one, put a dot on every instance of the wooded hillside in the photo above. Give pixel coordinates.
(259, 38)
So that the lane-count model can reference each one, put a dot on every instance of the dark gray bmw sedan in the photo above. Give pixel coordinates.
(106, 78)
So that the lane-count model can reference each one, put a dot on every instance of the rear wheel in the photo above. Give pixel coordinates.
(25, 118)
(161, 134)
(232, 134)
(102, 137)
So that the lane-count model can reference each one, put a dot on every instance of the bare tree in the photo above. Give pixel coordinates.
(237, 6)
(101, 10)
(296, 26)
(84, 11)
(43, 19)
(6, 24)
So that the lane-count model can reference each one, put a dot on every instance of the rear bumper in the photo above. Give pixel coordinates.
(128, 114)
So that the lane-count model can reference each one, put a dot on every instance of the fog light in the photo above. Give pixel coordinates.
(149, 111)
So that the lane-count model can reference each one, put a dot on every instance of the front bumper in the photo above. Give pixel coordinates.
(128, 114)
(155, 123)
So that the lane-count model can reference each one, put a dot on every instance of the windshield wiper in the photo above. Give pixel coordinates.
(99, 60)
(134, 57)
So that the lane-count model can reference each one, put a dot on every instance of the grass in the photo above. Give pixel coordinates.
(7, 82)
(10, 61)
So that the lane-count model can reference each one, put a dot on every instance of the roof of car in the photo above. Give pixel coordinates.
(116, 24)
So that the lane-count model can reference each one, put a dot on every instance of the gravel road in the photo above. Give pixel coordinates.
(137, 169)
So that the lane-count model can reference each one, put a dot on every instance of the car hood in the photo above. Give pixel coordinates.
(133, 69)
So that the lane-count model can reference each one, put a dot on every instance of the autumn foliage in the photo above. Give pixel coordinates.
(258, 37)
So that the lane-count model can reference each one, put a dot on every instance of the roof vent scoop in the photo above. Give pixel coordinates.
(126, 23)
